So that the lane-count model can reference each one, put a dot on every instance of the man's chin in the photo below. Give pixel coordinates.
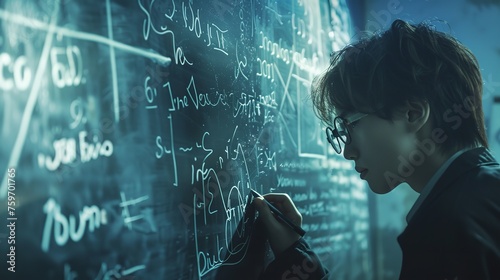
(382, 188)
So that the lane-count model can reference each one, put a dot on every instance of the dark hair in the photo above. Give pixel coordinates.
(407, 62)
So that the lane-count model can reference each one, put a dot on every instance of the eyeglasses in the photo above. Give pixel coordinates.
(339, 135)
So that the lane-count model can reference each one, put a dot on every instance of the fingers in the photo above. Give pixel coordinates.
(264, 212)
(286, 206)
(280, 235)
(278, 197)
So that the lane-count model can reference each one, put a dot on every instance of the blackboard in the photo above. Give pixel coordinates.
(132, 131)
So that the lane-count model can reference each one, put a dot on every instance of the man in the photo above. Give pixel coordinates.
(405, 105)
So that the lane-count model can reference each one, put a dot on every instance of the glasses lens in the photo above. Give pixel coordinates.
(333, 140)
(343, 133)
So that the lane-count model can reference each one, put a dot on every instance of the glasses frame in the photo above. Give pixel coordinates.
(335, 134)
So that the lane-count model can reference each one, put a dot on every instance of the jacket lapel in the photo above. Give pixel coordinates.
(464, 163)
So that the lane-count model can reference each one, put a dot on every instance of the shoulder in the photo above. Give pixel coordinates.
(477, 185)
(469, 191)
(474, 200)
(472, 175)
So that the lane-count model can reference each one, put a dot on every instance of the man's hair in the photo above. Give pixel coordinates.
(407, 62)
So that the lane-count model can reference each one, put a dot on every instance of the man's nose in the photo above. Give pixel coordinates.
(350, 151)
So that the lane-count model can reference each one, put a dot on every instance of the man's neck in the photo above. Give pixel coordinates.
(419, 179)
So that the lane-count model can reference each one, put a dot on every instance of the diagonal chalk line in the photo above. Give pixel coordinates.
(286, 93)
(30, 104)
(36, 24)
(51, 29)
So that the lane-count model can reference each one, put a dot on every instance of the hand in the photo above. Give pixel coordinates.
(280, 235)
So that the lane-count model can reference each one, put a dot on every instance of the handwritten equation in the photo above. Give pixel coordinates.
(159, 116)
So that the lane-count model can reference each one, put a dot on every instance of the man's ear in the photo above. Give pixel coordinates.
(417, 113)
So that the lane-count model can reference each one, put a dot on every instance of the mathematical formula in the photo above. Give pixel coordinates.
(177, 108)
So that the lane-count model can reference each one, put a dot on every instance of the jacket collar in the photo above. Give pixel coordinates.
(464, 163)
(467, 161)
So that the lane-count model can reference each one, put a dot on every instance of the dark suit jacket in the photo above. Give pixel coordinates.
(455, 234)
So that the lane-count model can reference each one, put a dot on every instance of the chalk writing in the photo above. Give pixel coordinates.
(66, 151)
(113, 273)
(220, 43)
(148, 25)
(150, 93)
(118, 272)
(241, 61)
(198, 100)
(14, 73)
(232, 205)
(128, 220)
(77, 112)
(163, 150)
(194, 23)
(208, 261)
(69, 71)
(289, 55)
(266, 158)
(247, 106)
(284, 181)
(266, 69)
(65, 228)
(91, 151)
(235, 119)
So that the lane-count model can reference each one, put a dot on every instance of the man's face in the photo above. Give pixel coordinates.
(376, 147)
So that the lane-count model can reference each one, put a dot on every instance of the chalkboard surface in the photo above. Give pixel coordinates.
(132, 132)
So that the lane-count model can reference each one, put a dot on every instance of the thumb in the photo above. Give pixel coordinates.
(265, 213)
